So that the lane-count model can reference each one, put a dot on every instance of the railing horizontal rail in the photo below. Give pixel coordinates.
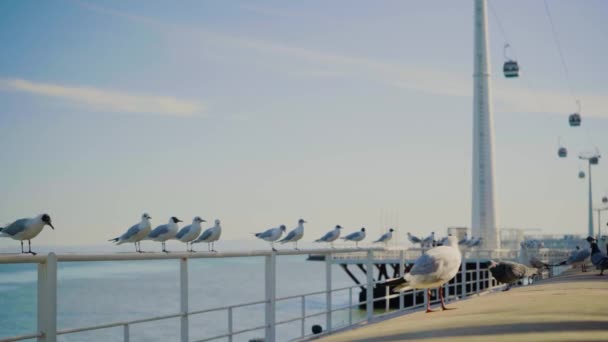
(117, 324)
(21, 337)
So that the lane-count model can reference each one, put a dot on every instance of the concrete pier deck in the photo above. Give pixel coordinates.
(571, 307)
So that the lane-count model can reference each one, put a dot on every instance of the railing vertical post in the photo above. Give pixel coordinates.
(387, 300)
(47, 296)
(125, 332)
(303, 316)
(183, 285)
(370, 286)
(270, 296)
(463, 278)
(401, 274)
(328, 291)
(477, 276)
(230, 329)
(350, 306)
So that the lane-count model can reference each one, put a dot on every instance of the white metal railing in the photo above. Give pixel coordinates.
(47, 330)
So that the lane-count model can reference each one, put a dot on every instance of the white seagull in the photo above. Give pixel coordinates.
(356, 236)
(165, 232)
(190, 232)
(386, 237)
(432, 269)
(271, 235)
(331, 236)
(26, 229)
(429, 240)
(210, 235)
(414, 239)
(136, 233)
(295, 234)
(465, 239)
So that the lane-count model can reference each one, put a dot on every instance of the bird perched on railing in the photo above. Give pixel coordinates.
(598, 258)
(431, 270)
(386, 237)
(464, 240)
(271, 235)
(190, 232)
(474, 242)
(356, 236)
(508, 272)
(26, 229)
(429, 241)
(165, 232)
(296, 234)
(210, 235)
(331, 236)
(136, 233)
(414, 239)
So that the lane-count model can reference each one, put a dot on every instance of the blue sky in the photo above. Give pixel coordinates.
(259, 113)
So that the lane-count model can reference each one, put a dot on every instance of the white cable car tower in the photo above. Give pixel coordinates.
(483, 223)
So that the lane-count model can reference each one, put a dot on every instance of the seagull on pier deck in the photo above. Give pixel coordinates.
(508, 272)
(432, 269)
(210, 235)
(356, 236)
(136, 233)
(413, 239)
(429, 240)
(26, 229)
(190, 232)
(271, 235)
(386, 237)
(331, 236)
(598, 258)
(295, 234)
(165, 232)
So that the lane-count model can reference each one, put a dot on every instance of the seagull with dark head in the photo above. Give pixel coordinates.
(356, 237)
(165, 232)
(26, 229)
(331, 236)
(271, 235)
(386, 237)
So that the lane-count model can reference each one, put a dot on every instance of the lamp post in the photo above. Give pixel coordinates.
(592, 160)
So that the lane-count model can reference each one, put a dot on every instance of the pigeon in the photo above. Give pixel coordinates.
(413, 239)
(190, 232)
(210, 235)
(508, 272)
(165, 232)
(432, 269)
(356, 236)
(136, 233)
(295, 234)
(598, 258)
(429, 240)
(331, 236)
(386, 237)
(271, 235)
(26, 229)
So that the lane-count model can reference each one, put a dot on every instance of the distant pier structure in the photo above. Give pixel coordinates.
(483, 221)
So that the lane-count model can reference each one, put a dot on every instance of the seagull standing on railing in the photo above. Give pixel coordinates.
(464, 240)
(429, 240)
(356, 236)
(165, 232)
(432, 269)
(190, 232)
(136, 233)
(295, 234)
(474, 242)
(26, 229)
(414, 239)
(210, 235)
(331, 236)
(271, 235)
(386, 237)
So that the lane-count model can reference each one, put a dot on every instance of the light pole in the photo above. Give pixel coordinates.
(599, 221)
(592, 160)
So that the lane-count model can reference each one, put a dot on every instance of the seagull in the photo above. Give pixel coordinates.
(356, 236)
(295, 234)
(331, 236)
(428, 241)
(136, 233)
(26, 229)
(386, 237)
(165, 232)
(578, 257)
(508, 272)
(271, 235)
(465, 240)
(432, 269)
(474, 242)
(413, 239)
(598, 258)
(210, 235)
(190, 232)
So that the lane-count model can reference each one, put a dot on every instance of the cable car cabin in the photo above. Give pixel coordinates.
(575, 119)
(562, 152)
(581, 174)
(604, 199)
(594, 160)
(511, 69)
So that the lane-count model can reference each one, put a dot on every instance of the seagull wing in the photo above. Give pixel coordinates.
(424, 265)
(291, 235)
(130, 232)
(327, 236)
(351, 236)
(183, 232)
(382, 238)
(206, 234)
(265, 234)
(160, 230)
(15, 227)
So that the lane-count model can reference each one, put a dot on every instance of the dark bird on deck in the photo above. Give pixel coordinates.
(508, 272)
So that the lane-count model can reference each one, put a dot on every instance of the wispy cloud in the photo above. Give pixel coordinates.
(107, 100)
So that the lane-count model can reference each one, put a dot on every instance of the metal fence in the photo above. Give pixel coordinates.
(472, 281)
